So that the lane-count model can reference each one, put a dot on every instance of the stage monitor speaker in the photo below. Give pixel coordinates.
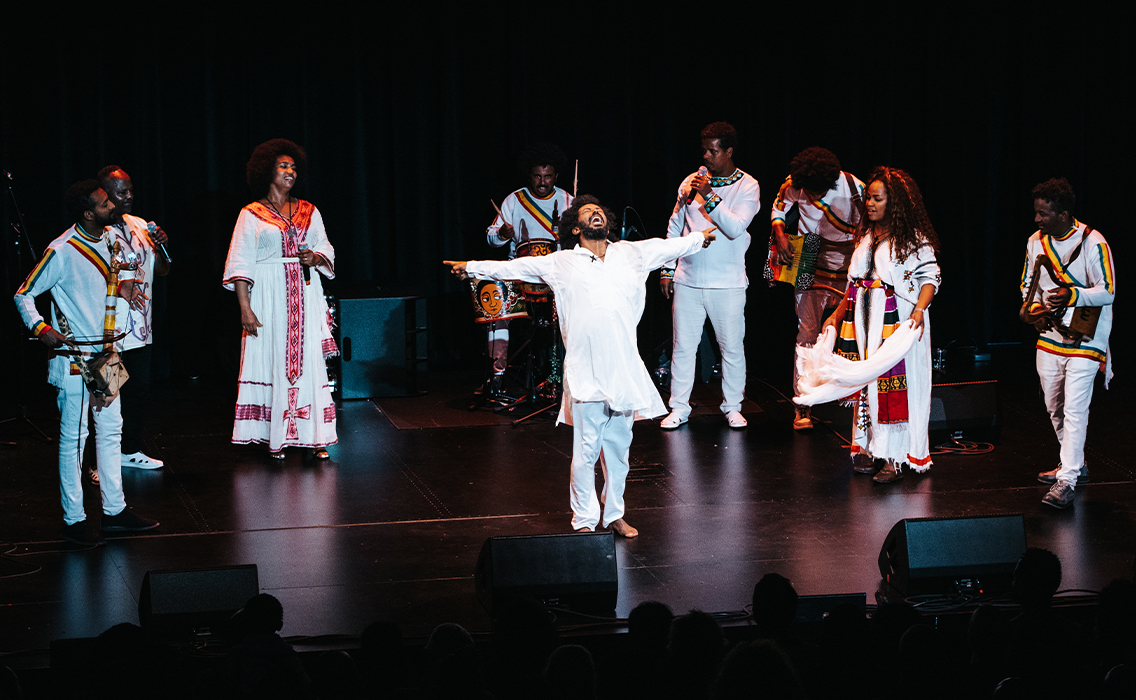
(195, 600)
(382, 344)
(969, 409)
(576, 571)
(948, 555)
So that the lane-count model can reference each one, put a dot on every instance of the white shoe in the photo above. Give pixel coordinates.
(672, 421)
(139, 460)
(736, 419)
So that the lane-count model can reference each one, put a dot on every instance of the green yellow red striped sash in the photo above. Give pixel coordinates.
(88, 251)
(530, 204)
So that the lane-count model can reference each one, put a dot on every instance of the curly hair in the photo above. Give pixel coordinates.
(910, 226)
(261, 166)
(727, 136)
(1058, 192)
(815, 169)
(570, 219)
(541, 154)
(81, 198)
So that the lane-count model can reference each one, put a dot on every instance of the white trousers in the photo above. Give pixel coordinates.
(810, 307)
(598, 433)
(1067, 383)
(74, 408)
(726, 310)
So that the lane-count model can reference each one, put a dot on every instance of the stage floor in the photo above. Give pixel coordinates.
(392, 525)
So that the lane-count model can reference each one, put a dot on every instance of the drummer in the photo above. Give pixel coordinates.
(526, 220)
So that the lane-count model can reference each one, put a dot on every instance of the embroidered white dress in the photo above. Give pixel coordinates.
(283, 397)
(901, 441)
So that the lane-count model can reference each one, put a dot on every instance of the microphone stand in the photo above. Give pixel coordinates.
(14, 259)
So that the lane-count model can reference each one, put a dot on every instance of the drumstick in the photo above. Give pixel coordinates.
(576, 179)
(497, 208)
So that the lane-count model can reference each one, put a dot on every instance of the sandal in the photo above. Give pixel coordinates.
(320, 454)
(279, 454)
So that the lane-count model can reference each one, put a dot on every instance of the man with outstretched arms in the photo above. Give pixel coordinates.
(75, 269)
(714, 283)
(1075, 277)
(600, 294)
(829, 202)
(141, 248)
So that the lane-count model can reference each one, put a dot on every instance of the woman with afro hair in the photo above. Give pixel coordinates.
(278, 247)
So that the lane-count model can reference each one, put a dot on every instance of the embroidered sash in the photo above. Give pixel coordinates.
(891, 386)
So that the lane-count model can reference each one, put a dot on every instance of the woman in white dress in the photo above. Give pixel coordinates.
(893, 277)
(276, 259)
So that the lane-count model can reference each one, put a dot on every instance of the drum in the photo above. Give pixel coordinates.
(496, 301)
(540, 246)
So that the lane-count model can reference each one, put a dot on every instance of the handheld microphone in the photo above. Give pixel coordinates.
(690, 195)
(307, 270)
(151, 227)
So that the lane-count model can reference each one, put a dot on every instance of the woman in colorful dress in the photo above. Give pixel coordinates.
(893, 277)
(276, 259)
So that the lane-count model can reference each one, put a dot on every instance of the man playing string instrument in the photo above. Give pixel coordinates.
(1067, 363)
(75, 269)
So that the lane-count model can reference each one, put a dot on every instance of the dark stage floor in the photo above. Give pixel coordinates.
(391, 527)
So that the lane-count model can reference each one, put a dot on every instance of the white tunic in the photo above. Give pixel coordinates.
(599, 303)
(736, 200)
(1093, 281)
(834, 217)
(283, 396)
(74, 269)
(524, 207)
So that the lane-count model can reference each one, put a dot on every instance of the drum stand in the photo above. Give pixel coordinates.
(532, 397)
(487, 393)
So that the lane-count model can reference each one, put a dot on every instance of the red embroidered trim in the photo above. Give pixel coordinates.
(247, 411)
(329, 414)
(330, 349)
(920, 462)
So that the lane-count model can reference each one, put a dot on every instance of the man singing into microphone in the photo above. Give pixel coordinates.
(144, 250)
(599, 299)
(713, 284)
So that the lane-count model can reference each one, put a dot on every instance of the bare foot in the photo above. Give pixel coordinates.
(621, 528)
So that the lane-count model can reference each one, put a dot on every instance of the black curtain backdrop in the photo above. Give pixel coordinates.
(413, 123)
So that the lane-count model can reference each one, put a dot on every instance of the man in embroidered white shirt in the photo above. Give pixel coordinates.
(600, 294)
(75, 270)
(1068, 361)
(142, 248)
(528, 215)
(712, 285)
(829, 203)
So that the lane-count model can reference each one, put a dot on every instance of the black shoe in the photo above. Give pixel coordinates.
(863, 464)
(890, 473)
(1060, 496)
(128, 521)
(82, 533)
